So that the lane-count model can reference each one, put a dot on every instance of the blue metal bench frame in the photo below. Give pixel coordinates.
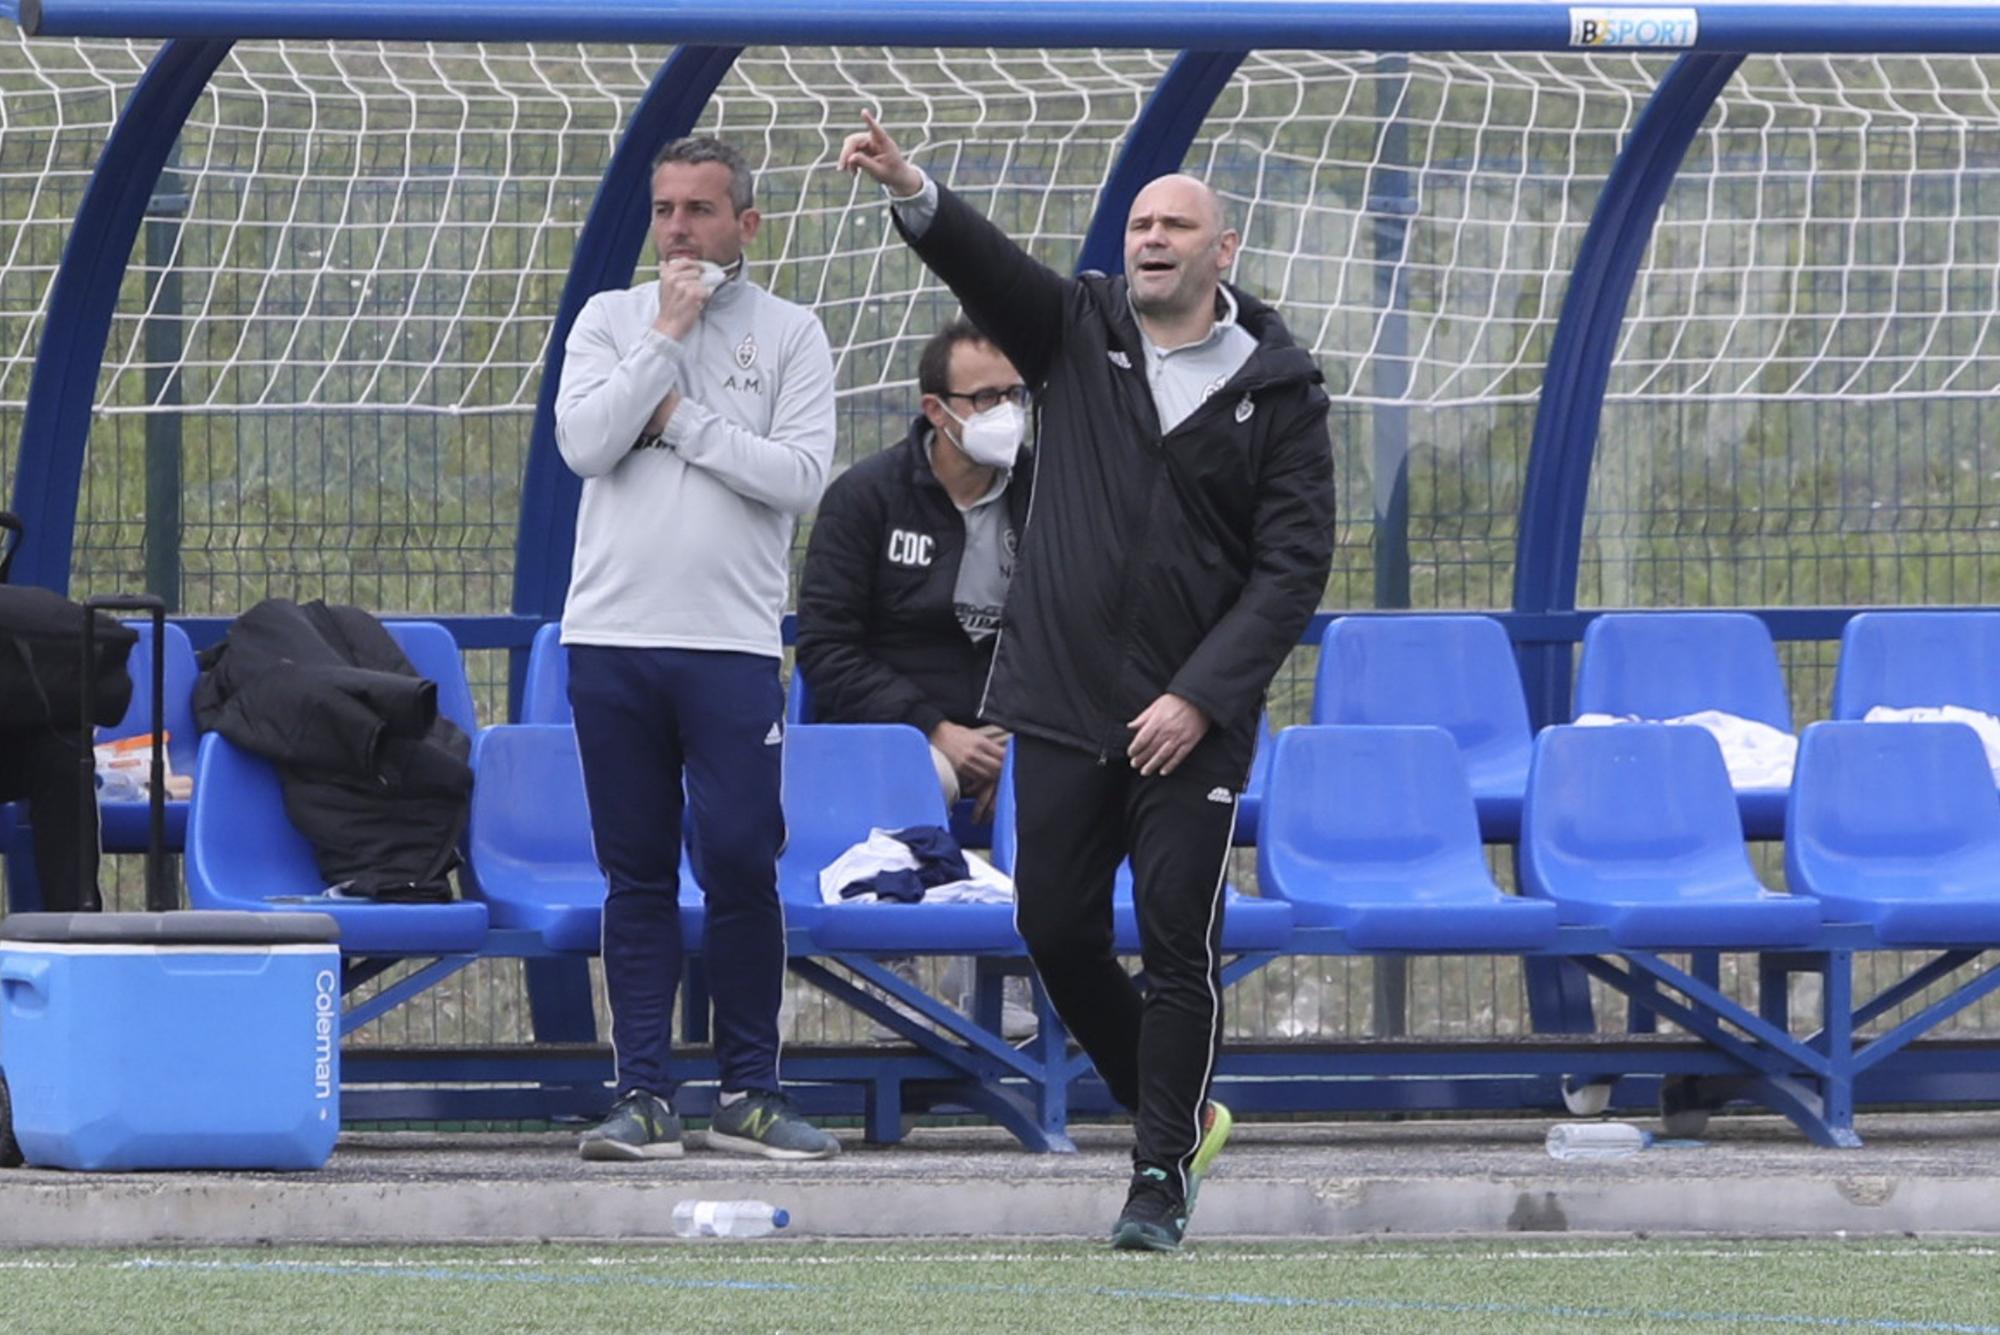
(1543, 623)
(1034, 1088)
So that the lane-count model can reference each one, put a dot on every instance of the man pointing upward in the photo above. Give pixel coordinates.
(1179, 542)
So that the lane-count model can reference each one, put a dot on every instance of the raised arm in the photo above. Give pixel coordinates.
(1015, 299)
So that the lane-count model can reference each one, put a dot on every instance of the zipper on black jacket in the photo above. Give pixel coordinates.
(1251, 385)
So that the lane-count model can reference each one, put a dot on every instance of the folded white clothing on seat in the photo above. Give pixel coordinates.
(1756, 754)
(882, 851)
(1986, 725)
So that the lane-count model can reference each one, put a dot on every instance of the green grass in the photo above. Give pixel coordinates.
(1490, 1287)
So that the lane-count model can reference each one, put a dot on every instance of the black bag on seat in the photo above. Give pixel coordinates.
(41, 662)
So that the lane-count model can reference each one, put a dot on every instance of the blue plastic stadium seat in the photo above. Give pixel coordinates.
(1453, 672)
(1249, 922)
(434, 654)
(841, 780)
(1905, 659)
(126, 825)
(1635, 828)
(800, 708)
(799, 699)
(1372, 830)
(1898, 827)
(531, 850)
(545, 697)
(244, 853)
(1661, 665)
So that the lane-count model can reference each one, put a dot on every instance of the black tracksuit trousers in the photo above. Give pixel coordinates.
(42, 766)
(1076, 819)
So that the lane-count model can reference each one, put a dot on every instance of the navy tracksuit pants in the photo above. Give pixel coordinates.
(644, 719)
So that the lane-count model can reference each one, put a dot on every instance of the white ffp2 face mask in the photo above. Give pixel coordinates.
(714, 275)
(993, 438)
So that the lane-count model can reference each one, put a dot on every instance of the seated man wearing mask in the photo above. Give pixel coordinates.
(906, 569)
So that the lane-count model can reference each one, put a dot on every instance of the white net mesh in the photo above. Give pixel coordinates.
(388, 226)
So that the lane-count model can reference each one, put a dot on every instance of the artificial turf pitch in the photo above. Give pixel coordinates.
(814, 1286)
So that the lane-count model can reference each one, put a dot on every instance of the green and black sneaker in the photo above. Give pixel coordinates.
(1154, 1218)
(639, 1126)
(1215, 1127)
(765, 1123)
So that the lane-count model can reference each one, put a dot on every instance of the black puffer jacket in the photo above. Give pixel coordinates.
(375, 779)
(879, 636)
(1185, 562)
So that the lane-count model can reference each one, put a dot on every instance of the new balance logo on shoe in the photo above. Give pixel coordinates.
(775, 737)
(1222, 795)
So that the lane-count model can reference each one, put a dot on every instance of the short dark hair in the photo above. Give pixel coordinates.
(934, 364)
(700, 148)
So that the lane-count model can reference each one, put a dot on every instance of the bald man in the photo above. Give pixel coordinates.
(1179, 542)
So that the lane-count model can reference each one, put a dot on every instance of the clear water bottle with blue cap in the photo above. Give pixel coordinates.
(1574, 1142)
(727, 1219)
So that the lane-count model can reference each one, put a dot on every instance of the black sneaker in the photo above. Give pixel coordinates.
(1155, 1217)
(765, 1123)
(639, 1126)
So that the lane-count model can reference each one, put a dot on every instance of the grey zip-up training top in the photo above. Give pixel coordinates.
(687, 545)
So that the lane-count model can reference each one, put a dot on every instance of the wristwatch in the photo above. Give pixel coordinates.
(650, 440)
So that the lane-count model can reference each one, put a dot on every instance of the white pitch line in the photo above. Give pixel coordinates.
(782, 1254)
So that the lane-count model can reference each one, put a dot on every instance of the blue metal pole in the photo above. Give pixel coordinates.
(1557, 484)
(606, 252)
(1159, 140)
(1883, 27)
(84, 297)
(1391, 204)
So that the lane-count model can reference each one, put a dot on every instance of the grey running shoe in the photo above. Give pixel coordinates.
(639, 1126)
(765, 1123)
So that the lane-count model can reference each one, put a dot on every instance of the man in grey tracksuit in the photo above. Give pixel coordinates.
(698, 408)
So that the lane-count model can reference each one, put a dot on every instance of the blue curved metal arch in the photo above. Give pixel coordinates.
(1167, 124)
(1564, 444)
(63, 391)
(606, 251)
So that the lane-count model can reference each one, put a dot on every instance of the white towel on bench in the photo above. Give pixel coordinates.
(1757, 754)
(882, 851)
(1987, 726)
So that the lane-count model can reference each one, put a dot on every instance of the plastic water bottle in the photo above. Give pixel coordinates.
(1575, 1141)
(119, 785)
(727, 1219)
